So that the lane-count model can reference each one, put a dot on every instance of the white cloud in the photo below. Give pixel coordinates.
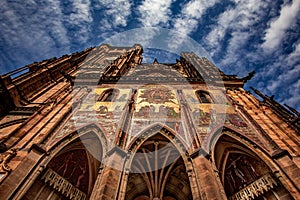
(81, 19)
(234, 28)
(294, 57)
(237, 21)
(33, 28)
(283, 77)
(293, 95)
(288, 85)
(276, 32)
(190, 15)
(155, 12)
(187, 21)
(81, 12)
(215, 37)
(236, 43)
(116, 13)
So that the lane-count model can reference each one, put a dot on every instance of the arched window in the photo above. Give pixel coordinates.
(244, 174)
(70, 174)
(109, 95)
(204, 97)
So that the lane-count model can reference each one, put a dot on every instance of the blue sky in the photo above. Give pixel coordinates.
(239, 35)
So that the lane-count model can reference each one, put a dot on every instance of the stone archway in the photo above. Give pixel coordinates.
(158, 172)
(244, 174)
(70, 174)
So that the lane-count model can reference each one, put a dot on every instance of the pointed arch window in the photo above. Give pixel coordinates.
(204, 96)
(243, 173)
(109, 95)
(70, 174)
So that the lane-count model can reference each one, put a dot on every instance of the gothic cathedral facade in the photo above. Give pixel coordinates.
(100, 124)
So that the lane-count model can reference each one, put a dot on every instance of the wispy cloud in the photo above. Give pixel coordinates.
(238, 18)
(294, 57)
(287, 84)
(80, 19)
(283, 77)
(32, 28)
(293, 97)
(115, 14)
(155, 12)
(80, 12)
(188, 21)
(191, 13)
(217, 34)
(234, 28)
(278, 26)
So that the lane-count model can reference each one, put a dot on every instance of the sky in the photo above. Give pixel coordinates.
(239, 35)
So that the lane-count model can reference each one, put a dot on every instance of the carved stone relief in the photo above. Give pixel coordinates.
(241, 170)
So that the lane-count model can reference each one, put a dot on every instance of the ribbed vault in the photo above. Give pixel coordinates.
(158, 172)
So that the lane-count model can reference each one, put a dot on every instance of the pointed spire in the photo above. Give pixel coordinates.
(155, 61)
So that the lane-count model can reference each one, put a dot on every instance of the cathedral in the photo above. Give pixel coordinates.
(102, 124)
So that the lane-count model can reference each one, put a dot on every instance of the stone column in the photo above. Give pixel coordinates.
(123, 186)
(291, 180)
(107, 185)
(207, 180)
(23, 175)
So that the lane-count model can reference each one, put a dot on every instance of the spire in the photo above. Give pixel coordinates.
(155, 61)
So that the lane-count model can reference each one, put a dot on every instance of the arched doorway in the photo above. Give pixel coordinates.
(158, 172)
(244, 174)
(70, 174)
